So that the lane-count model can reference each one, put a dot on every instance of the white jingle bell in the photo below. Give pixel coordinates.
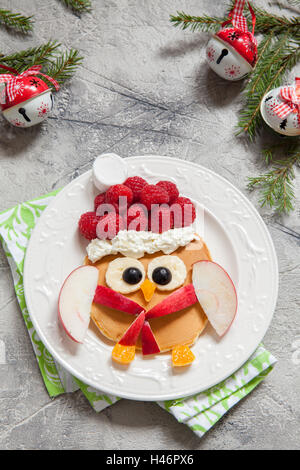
(25, 99)
(232, 52)
(280, 109)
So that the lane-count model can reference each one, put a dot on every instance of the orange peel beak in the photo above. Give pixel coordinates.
(148, 288)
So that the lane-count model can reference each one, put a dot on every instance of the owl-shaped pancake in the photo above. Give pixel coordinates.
(155, 302)
(159, 276)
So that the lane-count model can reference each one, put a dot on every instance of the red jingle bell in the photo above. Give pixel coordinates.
(26, 99)
(232, 52)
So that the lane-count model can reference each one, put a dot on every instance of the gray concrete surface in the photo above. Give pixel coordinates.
(144, 88)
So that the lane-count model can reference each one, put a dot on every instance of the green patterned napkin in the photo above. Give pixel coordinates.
(200, 412)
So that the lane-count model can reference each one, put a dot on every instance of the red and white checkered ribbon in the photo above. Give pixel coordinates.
(237, 18)
(291, 98)
(11, 80)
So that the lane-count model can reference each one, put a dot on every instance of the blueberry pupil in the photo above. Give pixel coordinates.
(161, 276)
(132, 275)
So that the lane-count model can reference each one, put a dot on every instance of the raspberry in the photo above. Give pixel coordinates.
(109, 225)
(87, 225)
(136, 184)
(184, 212)
(137, 218)
(162, 219)
(171, 189)
(152, 194)
(113, 194)
(100, 199)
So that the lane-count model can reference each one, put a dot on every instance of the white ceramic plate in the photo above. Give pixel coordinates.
(238, 240)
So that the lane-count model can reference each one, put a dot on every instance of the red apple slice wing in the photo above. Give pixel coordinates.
(131, 335)
(149, 344)
(75, 301)
(110, 298)
(216, 294)
(178, 300)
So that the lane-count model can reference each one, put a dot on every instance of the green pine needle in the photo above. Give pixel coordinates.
(58, 65)
(79, 6)
(39, 55)
(277, 185)
(266, 22)
(196, 23)
(64, 66)
(16, 21)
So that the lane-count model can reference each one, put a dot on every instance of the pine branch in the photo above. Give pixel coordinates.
(16, 21)
(64, 66)
(60, 66)
(36, 55)
(266, 22)
(277, 185)
(196, 23)
(79, 6)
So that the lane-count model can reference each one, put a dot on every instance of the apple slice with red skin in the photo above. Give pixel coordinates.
(149, 344)
(75, 301)
(216, 294)
(178, 300)
(131, 335)
(110, 298)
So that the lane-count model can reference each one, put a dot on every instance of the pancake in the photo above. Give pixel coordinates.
(182, 327)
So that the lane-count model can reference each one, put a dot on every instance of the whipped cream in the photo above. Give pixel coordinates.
(136, 244)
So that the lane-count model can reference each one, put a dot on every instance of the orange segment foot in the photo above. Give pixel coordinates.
(182, 356)
(123, 354)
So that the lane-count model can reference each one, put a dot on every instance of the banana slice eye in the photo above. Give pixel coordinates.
(125, 275)
(167, 272)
